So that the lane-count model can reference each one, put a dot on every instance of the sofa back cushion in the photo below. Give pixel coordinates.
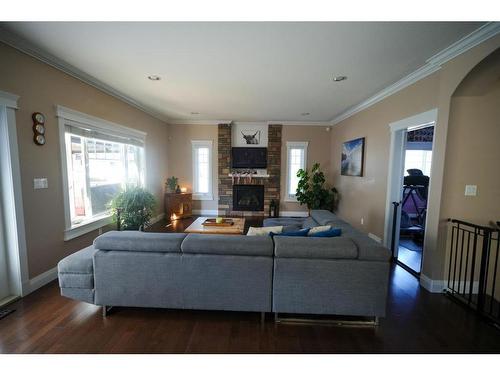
(294, 233)
(315, 248)
(323, 217)
(264, 231)
(309, 222)
(219, 244)
(332, 232)
(370, 250)
(140, 241)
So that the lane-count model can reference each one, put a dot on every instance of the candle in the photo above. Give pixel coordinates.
(184, 189)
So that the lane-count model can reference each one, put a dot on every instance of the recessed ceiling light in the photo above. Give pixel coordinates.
(339, 78)
(195, 113)
(305, 114)
(154, 78)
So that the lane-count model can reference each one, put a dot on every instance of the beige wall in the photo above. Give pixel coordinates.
(318, 151)
(366, 196)
(40, 88)
(181, 159)
(473, 151)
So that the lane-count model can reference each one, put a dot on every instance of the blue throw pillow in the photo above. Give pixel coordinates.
(334, 232)
(296, 233)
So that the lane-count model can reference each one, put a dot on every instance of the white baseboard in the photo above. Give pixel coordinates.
(206, 212)
(8, 300)
(38, 281)
(375, 238)
(433, 286)
(438, 286)
(294, 213)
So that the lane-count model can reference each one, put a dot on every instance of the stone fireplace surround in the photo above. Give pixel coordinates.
(271, 183)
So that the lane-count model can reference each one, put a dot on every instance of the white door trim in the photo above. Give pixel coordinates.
(396, 162)
(12, 195)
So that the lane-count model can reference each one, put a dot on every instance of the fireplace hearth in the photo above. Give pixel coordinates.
(248, 197)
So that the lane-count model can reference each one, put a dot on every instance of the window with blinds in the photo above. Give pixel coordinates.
(101, 160)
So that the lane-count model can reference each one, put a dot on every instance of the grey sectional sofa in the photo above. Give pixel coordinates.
(345, 275)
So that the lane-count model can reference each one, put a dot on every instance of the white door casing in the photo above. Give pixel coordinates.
(4, 278)
(396, 165)
(11, 199)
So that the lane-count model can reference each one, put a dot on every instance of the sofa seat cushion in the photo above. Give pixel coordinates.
(274, 221)
(290, 224)
(309, 222)
(315, 248)
(296, 233)
(332, 232)
(321, 228)
(323, 217)
(77, 269)
(220, 244)
(264, 231)
(140, 241)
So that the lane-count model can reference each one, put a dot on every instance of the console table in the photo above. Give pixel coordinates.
(178, 205)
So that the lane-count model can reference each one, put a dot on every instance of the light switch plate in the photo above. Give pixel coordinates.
(471, 190)
(40, 183)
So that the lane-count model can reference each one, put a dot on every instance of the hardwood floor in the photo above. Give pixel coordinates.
(416, 322)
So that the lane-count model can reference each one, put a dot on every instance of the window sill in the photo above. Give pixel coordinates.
(201, 197)
(87, 227)
(290, 199)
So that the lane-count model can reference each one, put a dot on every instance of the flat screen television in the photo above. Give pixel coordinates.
(249, 157)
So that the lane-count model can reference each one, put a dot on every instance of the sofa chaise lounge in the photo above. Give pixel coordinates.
(346, 275)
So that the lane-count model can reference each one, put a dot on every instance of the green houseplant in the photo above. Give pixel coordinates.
(312, 192)
(171, 184)
(133, 208)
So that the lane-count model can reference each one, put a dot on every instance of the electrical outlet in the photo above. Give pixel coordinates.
(362, 221)
(470, 190)
(40, 183)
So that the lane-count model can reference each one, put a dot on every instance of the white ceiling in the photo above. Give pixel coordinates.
(257, 71)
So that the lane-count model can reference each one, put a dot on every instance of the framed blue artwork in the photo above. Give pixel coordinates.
(353, 157)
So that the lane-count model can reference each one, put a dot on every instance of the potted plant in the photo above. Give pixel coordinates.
(171, 184)
(312, 192)
(133, 208)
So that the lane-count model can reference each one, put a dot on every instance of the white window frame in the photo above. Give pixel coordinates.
(66, 115)
(290, 196)
(194, 146)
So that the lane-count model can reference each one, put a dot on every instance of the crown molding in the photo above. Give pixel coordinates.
(198, 122)
(300, 123)
(30, 49)
(478, 36)
(433, 64)
(9, 100)
(275, 122)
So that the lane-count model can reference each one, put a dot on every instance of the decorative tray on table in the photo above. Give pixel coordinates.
(213, 223)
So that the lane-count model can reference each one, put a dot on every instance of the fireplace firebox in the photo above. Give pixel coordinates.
(248, 197)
